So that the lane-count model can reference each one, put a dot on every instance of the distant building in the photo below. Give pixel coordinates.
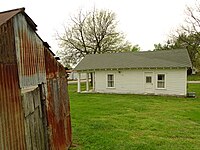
(73, 75)
(151, 72)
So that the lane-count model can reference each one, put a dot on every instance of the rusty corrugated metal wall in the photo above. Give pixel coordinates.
(30, 53)
(58, 110)
(34, 103)
(11, 112)
(31, 69)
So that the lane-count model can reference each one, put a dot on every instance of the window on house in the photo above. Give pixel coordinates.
(110, 79)
(148, 79)
(161, 81)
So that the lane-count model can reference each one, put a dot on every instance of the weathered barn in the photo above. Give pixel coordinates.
(34, 103)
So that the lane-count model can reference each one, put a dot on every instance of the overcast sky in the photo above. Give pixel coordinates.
(144, 22)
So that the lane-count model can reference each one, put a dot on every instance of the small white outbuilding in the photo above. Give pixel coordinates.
(148, 72)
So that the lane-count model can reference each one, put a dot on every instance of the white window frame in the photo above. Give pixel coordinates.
(108, 81)
(158, 81)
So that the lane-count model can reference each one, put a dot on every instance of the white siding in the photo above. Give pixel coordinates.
(132, 81)
(176, 82)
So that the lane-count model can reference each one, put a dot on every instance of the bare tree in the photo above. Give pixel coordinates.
(192, 20)
(192, 31)
(187, 36)
(93, 32)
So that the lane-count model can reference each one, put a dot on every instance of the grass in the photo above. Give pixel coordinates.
(194, 88)
(195, 77)
(128, 122)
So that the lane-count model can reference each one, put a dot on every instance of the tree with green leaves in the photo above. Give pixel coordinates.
(187, 36)
(94, 32)
(183, 41)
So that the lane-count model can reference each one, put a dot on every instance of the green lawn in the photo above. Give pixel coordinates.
(126, 122)
(195, 77)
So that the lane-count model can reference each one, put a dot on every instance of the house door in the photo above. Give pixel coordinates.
(148, 83)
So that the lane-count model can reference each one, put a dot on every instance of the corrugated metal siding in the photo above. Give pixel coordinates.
(58, 110)
(42, 121)
(11, 115)
(11, 119)
(7, 50)
(30, 53)
(66, 104)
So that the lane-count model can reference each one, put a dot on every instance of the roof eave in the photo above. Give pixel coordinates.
(100, 69)
(30, 21)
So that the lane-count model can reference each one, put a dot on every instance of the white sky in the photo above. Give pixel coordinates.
(144, 22)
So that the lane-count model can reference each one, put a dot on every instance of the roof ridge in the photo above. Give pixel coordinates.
(19, 9)
(139, 52)
(169, 50)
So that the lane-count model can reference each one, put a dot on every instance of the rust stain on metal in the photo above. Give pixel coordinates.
(6, 43)
(58, 109)
(11, 120)
(34, 102)
(30, 53)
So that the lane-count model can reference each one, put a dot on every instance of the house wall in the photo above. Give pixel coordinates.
(133, 81)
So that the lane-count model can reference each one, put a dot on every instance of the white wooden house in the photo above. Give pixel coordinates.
(147, 72)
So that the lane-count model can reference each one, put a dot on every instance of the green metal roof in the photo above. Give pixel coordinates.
(142, 59)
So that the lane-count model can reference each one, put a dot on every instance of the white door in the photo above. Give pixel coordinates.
(148, 82)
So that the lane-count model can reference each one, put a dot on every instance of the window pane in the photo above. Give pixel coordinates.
(148, 79)
(161, 77)
(161, 84)
(161, 81)
(110, 84)
(110, 80)
(110, 77)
